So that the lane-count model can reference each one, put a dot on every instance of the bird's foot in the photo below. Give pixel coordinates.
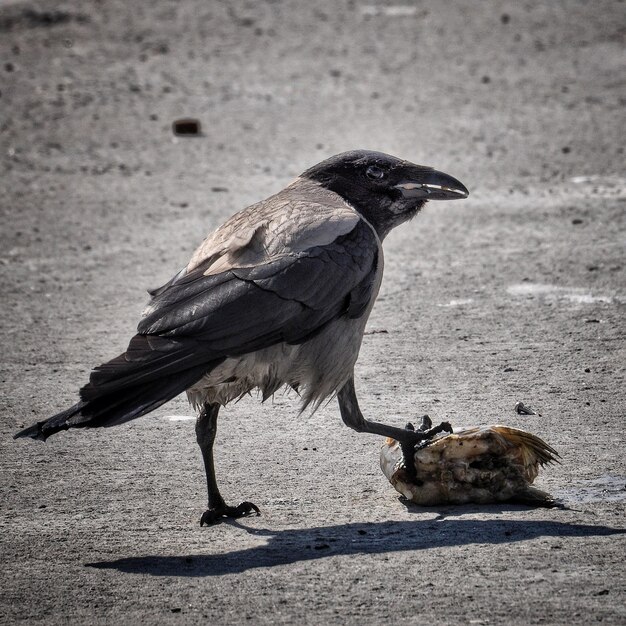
(215, 514)
(421, 438)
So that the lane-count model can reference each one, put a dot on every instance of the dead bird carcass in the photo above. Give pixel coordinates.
(483, 465)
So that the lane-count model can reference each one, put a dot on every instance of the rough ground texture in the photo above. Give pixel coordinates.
(517, 293)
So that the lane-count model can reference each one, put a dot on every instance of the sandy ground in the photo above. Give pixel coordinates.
(517, 293)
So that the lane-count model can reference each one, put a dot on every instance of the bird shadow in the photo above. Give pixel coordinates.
(284, 547)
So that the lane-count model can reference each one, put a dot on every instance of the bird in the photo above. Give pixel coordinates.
(278, 295)
(480, 464)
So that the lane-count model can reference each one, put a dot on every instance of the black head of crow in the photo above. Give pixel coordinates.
(385, 190)
(277, 295)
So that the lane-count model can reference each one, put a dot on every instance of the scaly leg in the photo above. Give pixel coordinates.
(206, 429)
(408, 437)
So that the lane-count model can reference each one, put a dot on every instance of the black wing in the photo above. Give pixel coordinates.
(198, 320)
(285, 299)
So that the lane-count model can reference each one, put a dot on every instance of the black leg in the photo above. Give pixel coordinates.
(408, 453)
(408, 437)
(206, 429)
(352, 416)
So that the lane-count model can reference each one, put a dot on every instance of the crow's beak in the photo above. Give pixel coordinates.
(432, 185)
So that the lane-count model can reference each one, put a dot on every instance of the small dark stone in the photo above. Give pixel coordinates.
(522, 409)
(219, 189)
(566, 149)
(47, 18)
(509, 369)
(175, 610)
(505, 18)
(188, 127)
(335, 73)
(587, 370)
(9, 67)
(577, 221)
(485, 80)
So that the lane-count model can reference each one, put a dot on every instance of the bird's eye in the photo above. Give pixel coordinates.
(374, 172)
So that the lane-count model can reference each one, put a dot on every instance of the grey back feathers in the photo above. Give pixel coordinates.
(264, 285)
(277, 295)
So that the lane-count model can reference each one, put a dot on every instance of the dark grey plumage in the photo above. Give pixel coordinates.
(279, 294)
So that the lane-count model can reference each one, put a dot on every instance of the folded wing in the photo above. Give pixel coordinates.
(226, 304)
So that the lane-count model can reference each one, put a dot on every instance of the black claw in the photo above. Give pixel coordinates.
(210, 516)
(426, 423)
(215, 515)
(246, 508)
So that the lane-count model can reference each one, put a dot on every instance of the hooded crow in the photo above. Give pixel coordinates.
(277, 295)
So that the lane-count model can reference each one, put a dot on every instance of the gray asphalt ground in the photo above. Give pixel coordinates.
(517, 293)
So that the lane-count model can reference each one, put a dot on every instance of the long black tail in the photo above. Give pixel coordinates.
(152, 371)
